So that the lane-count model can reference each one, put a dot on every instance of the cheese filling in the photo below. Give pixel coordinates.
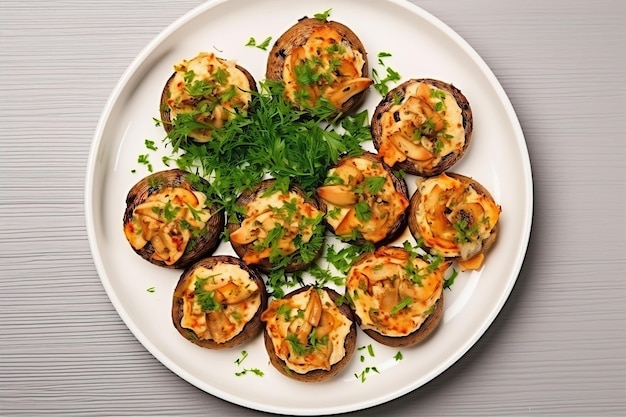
(424, 127)
(362, 200)
(277, 225)
(209, 89)
(308, 331)
(219, 301)
(453, 217)
(325, 67)
(393, 292)
(168, 219)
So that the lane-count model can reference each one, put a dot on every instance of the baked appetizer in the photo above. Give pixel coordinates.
(204, 93)
(423, 126)
(455, 217)
(320, 62)
(168, 220)
(397, 296)
(277, 228)
(365, 201)
(308, 337)
(218, 303)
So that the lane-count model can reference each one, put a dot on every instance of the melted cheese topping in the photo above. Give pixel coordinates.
(424, 127)
(453, 217)
(362, 199)
(394, 293)
(213, 88)
(265, 215)
(326, 66)
(308, 331)
(166, 219)
(234, 300)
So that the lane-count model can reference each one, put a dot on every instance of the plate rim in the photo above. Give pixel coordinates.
(487, 321)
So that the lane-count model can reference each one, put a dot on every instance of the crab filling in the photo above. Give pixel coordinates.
(423, 127)
(393, 291)
(218, 302)
(205, 93)
(308, 331)
(362, 200)
(168, 220)
(327, 68)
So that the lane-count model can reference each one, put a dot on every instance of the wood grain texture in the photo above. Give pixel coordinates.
(558, 346)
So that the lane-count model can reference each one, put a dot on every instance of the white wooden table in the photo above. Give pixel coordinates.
(557, 348)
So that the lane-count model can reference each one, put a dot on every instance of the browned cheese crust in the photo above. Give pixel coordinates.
(398, 93)
(297, 35)
(251, 329)
(202, 245)
(418, 336)
(317, 375)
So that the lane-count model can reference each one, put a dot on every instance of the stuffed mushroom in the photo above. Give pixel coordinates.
(455, 217)
(321, 63)
(308, 336)
(169, 221)
(218, 302)
(397, 296)
(423, 126)
(202, 95)
(277, 228)
(365, 201)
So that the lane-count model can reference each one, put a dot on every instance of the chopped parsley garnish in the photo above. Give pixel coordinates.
(144, 160)
(380, 83)
(343, 258)
(448, 282)
(464, 232)
(322, 16)
(206, 299)
(244, 355)
(363, 375)
(375, 184)
(170, 211)
(363, 211)
(298, 348)
(150, 144)
(254, 371)
(285, 310)
(263, 45)
(405, 302)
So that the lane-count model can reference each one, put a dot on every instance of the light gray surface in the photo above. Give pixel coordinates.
(557, 348)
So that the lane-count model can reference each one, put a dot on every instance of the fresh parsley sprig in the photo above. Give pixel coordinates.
(273, 138)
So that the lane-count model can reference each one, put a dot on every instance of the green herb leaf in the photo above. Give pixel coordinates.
(450, 280)
(405, 302)
(150, 144)
(322, 16)
(255, 371)
(375, 184)
(363, 211)
(263, 45)
(244, 355)
(206, 299)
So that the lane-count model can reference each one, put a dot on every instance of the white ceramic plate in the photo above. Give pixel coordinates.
(421, 46)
